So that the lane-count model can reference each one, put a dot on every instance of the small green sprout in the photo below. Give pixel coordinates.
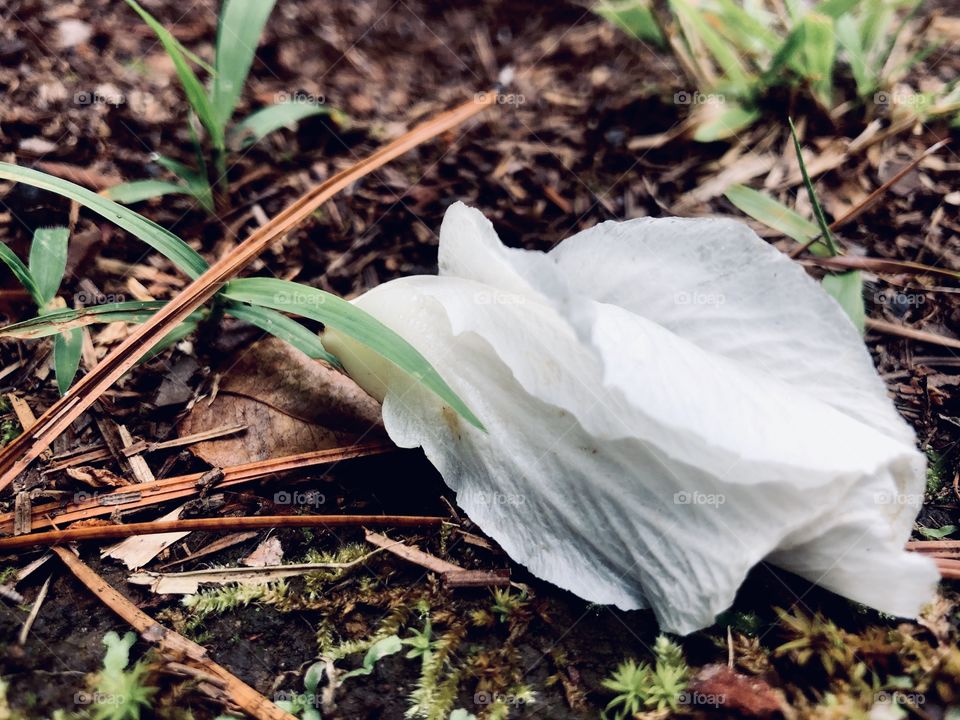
(119, 693)
(640, 687)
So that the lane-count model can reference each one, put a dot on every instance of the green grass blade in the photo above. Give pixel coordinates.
(261, 123)
(819, 55)
(285, 328)
(20, 271)
(324, 307)
(50, 323)
(187, 327)
(812, 194)
(67, 347)
(139, 190)
(728, 122)
(196, 95)
(724, 54)
(774, 214)
(196, 180)
(48, 259)
(847, 289)
(160, 239)
(239, 28)
(634, 17)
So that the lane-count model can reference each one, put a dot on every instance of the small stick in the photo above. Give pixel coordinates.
(143, 446)
(911, 334)
(227, 524)
(173, 488)
(872, 198)
(34, 611)
(949, 569)
(182, 649)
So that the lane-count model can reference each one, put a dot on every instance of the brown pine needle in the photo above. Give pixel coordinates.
(173, 645)
(218, 524)
(18, 455)
(910, 333)
(135, 497)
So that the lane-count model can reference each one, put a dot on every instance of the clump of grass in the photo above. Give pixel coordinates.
(239, 27)
(641, 687)
(736, 55)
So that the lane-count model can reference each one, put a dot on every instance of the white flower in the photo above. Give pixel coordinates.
(667, 403)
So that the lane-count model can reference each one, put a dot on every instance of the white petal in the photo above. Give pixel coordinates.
(602, 422)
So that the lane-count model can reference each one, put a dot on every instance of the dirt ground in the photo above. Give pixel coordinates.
(561, 154)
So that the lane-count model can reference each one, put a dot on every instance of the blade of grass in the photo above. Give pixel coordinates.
(279, 325)
(20, 271)
(19, 453)
(196, 95)
(48, 260)
(261, 123)
(633, 17)
(160, 239)
(845, 288)
(56, 321)
(67, 347)
(812, 194)
(350, 320)
(239, 28)
(139, 190)
(776, 215)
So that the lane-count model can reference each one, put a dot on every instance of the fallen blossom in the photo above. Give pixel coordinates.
(666, 403)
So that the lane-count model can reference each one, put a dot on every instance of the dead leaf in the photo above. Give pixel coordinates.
(269, 552)
(96, 477)
(721, 686)
(289, 403)
(138, 550)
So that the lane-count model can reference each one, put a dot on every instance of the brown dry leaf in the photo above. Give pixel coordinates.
(289, 403)
(749, 696)
(96, 477)
(137, 551)
(269, 552)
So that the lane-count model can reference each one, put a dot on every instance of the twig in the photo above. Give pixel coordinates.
(18, 455)
(183, 650)
(173, 488)
(226, 524)
(880, 265)
(34, 611)
(871, 199)
(949, 569)
(142, 446)
(911, 334)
